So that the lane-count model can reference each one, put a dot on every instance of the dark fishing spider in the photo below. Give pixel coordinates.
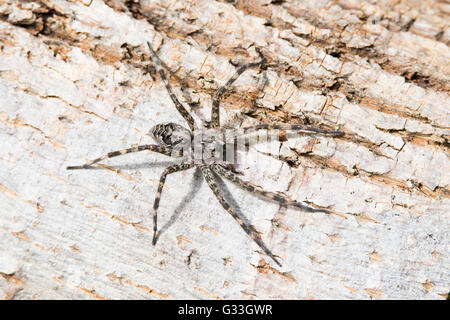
(171, 135)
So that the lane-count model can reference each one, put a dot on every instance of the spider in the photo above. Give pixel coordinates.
(171, 136)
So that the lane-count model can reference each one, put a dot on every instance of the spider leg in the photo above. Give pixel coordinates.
(181, 109)
(168, 170)
(251, 232)
(282, 199)
(151, 147)
(215, 112)
(288, 127)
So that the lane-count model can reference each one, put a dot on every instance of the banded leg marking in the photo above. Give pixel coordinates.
(150, 147)
(215, 111)
(287, 127)
(282, 199)
(168, 170)
(251, 232)
(181, 109)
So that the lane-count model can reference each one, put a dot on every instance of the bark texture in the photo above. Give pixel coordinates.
(76, 82)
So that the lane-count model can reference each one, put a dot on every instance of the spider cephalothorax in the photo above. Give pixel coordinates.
(171, 136)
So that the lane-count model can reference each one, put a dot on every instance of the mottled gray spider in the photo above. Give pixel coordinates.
(170, 137)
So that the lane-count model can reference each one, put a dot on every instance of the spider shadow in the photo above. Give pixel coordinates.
(229, 198)
(133, 166)
(233, 203)
(195, 185)
(144, 165)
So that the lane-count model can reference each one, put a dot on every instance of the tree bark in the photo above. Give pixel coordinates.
(76, 81)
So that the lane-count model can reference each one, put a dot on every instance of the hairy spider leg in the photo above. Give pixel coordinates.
(171, 169)
(282, 199)
(181, 109)
(151, 147)
(251, 232)
(215, 111)
(287, 127)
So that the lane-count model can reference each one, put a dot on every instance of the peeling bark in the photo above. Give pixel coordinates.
(76, 82)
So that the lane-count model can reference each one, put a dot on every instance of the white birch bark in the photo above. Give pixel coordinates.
(74, 84)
